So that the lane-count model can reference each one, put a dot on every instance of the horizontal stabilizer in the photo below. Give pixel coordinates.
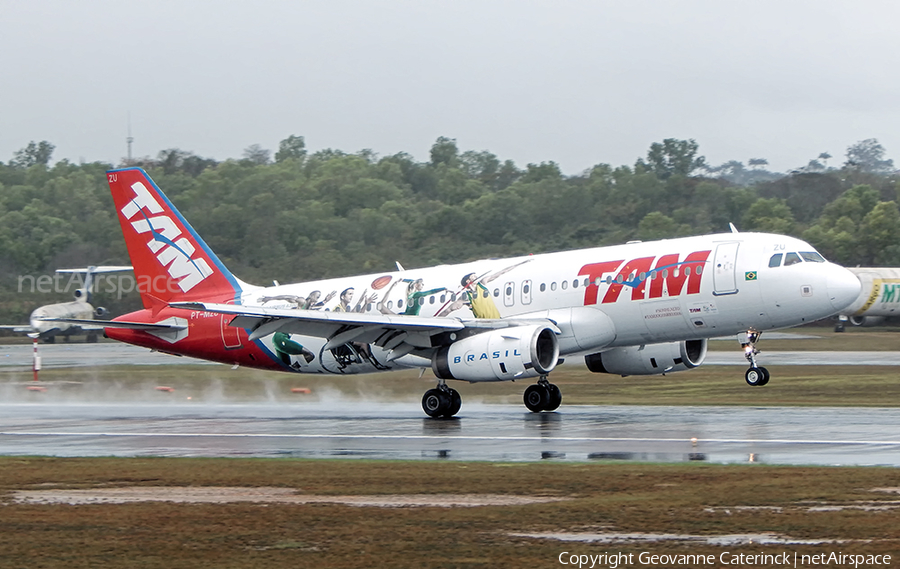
(88, 324)
(96, 270)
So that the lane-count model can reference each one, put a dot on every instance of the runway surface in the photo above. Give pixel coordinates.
(79, 355)
(150, 424)
(346, 429)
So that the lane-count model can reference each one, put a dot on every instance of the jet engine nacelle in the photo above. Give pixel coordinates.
(649, 359)
(100, 312)
(500, 355)
(866, 320)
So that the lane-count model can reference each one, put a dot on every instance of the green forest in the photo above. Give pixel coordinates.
(294, 215)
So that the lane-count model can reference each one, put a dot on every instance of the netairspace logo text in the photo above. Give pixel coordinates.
(786, 559)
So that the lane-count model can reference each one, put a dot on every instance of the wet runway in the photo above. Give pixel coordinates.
(146, 425)
(78, 355)
(349, 429)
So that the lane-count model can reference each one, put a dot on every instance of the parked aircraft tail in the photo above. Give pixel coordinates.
(85, 292)
(171, 262)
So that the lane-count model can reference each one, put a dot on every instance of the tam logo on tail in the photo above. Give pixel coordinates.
(171, 250)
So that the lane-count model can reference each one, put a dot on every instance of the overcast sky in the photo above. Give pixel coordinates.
(577, 82)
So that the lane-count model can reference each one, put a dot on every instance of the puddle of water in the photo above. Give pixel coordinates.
(221, 495)
(721, 540)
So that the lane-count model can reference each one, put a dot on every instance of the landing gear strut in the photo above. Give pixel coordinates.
(756, 376)
(542, 396)
(441, 402)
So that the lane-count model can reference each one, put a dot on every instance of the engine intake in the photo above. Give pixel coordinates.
(867, 320)
(499, 355)
(650, 359)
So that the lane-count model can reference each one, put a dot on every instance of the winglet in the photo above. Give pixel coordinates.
(733, 228)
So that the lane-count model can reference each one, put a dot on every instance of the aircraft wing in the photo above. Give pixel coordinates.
(18, 328)
(397, 332)
(90, 324)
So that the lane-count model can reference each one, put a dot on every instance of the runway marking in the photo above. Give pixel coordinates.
(447, 438)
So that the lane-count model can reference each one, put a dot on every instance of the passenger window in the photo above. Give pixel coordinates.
(565, 285)
(543, 287)
(390, 304)
(508, 290)
(687, 271)
(486, 294)
(553, 286)
(575, 283)
(665, 273)
(699, 269)
(792, 259)
(812, 257)
(775, 261)
(399, 304)
(431, 299)
(443, 297)
(642, 277)
(525, 289)
(496, 292)
(620, 278)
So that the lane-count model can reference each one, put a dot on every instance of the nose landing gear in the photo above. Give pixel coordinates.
(441, 402)
(756, 376)
(542, 396)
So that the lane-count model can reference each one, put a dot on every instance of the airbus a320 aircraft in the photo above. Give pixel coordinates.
(634, 309)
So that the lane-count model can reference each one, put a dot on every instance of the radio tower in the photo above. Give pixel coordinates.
(130, 138)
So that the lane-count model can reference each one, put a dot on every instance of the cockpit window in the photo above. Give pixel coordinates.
(792, 259)
(775, 261)
(812, 257)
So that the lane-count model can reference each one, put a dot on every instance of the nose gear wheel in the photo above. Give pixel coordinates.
(756, 376)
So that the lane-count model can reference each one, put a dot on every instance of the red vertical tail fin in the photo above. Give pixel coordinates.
(171, 262)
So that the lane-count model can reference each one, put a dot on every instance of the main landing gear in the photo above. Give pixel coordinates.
(542, 396)
(757, 375)
(441, 402)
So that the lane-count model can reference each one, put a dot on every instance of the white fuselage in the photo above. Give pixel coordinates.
(600, 298)
(880, 293)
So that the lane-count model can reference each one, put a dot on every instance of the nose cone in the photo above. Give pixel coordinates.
(35, 320)
(843, 287)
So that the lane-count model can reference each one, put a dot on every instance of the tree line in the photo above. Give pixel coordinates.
(295, 215)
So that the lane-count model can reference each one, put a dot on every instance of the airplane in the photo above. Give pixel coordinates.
(878, 298)
(642, 308)
(39, 327)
